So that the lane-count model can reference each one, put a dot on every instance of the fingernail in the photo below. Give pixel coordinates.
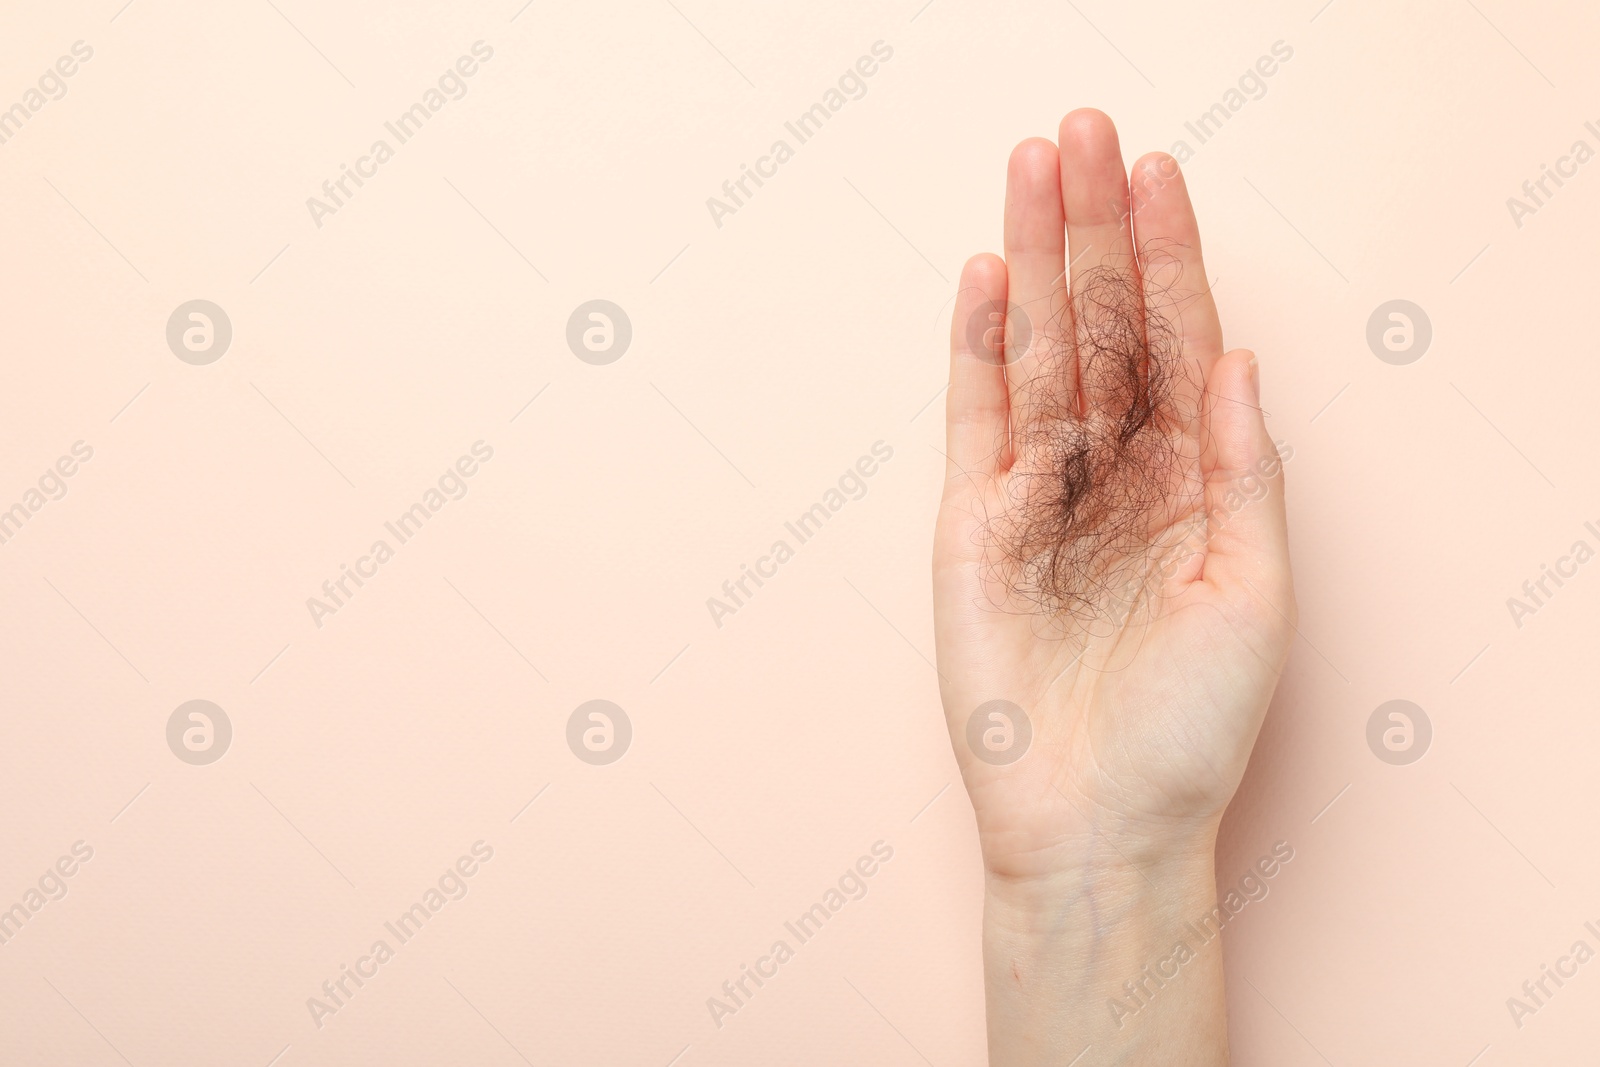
(1255, 378)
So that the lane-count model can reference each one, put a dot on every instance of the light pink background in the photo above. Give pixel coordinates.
(767, 355)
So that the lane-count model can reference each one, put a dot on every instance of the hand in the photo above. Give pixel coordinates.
(1111, 553)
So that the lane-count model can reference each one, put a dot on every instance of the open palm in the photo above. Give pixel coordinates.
(1109, 631)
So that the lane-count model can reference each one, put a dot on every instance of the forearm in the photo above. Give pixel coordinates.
(1114, 963)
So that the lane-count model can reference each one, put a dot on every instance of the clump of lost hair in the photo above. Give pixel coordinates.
(1096, 453)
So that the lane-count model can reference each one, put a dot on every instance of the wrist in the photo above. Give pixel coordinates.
(1112, 954)
(1117, 892)
(1088, 843)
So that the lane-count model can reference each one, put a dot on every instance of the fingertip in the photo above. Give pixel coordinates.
(1087, 124)
(976, 404)
(1034, 223)
(1161, 164)
(1094, 180)
(1238, 424)
(1160, 202)
(981, 293)
(985, 272)
(1033, 156)
(1089, 140)
(1236, 375)
(1157, 178)
(1247, 548)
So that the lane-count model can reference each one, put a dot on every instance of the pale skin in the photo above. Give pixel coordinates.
(1098, 844)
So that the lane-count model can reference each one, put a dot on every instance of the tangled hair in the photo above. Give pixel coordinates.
(1097, 451)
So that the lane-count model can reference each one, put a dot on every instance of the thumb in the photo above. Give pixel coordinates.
(1246, 525)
